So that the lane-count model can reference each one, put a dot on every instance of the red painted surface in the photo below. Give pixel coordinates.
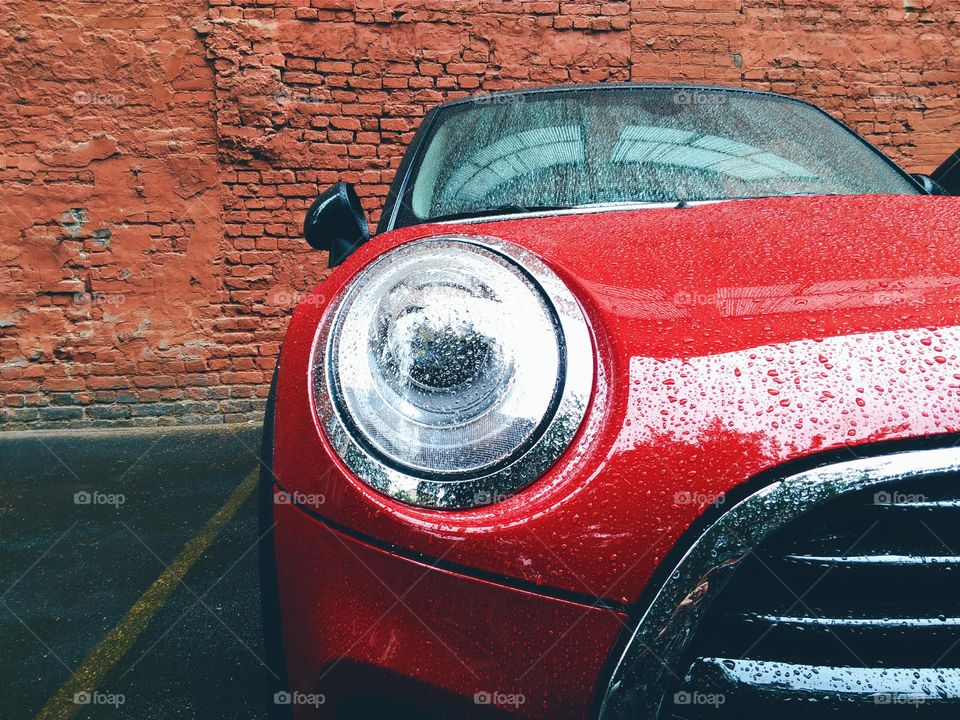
(359, 621)
(730, 338)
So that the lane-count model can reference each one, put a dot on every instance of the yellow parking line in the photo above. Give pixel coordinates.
(117, 644)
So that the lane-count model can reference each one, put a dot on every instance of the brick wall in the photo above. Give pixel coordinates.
(156, 156)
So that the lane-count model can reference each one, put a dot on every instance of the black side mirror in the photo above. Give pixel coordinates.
(336, 223)
(929, 185)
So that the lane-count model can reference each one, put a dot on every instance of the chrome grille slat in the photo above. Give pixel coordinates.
(926, 505)
(890, 559)
(787, 682)
(885, 623)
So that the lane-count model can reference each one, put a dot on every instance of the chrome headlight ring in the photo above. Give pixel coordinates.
(434, 389)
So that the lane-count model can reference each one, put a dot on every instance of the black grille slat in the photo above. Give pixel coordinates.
(826, 591)
(905, 528)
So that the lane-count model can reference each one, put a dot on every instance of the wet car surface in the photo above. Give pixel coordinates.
(606, 346)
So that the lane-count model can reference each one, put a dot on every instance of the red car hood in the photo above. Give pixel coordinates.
(720, 277)
(731, 338)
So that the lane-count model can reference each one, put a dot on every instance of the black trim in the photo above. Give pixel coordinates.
(503, 580)
(948, 174)
(269, 591)
(391, 205)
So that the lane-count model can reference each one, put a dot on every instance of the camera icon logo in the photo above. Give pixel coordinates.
(281, 698)
(81, 698)
(482, 698)
(82, 498)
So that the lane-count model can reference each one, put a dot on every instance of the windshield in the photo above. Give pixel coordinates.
(645, 145)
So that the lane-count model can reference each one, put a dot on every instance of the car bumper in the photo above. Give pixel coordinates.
(364, 628)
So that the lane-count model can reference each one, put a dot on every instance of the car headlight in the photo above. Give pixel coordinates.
(453, 371)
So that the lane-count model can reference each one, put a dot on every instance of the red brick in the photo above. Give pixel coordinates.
(161, 241)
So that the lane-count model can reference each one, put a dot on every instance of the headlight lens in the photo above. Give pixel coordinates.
(453, 371)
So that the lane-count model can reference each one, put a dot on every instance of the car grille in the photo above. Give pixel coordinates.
(855, 606)
(833, 593)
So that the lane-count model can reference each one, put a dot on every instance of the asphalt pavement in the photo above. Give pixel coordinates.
(128, 583)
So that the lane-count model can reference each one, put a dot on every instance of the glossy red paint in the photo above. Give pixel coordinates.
(730, 338)
(360, 622)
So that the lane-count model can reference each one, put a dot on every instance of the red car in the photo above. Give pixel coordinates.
(644, 402)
